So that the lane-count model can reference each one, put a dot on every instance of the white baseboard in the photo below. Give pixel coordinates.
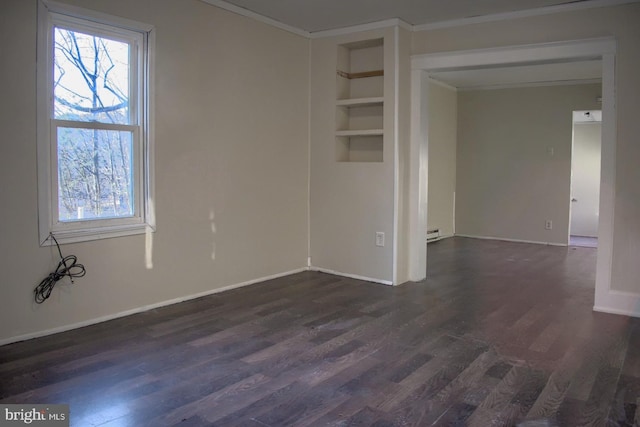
(144, 308)
(618, 302)
(351, 276)
(437, 239)
(504, 239)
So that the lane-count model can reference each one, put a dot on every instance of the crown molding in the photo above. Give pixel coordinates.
(514, 55)
(261, 18)
(547, 10)
(393, 22)
(573, 82)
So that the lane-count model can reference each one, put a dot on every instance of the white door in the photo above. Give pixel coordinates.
(585, 179)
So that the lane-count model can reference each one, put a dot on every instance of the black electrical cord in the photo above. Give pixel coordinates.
(67, 267)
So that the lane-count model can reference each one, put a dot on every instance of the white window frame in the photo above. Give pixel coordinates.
(142, 39)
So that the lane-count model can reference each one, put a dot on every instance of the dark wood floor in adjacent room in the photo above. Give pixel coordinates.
(499, 334)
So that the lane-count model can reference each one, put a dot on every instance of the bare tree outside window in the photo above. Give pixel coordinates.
(91, 84)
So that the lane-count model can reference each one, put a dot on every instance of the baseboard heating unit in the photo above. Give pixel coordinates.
(433, 235)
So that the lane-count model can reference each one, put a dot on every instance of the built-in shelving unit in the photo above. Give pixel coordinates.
(360, 102)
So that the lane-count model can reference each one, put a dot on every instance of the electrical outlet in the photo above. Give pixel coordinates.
(548, 224)
(379, 238)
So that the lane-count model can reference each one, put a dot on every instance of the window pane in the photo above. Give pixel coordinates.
(91, 78)
(95, 174)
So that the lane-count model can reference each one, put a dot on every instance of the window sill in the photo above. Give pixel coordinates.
(97, 233)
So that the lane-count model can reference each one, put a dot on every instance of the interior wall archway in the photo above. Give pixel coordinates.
(422, 65)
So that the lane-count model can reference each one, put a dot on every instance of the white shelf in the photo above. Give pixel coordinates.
(359, 105)
(362, 132)
(360, 102)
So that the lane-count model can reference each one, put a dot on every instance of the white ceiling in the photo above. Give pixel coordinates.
(318, 15)
(522, 75)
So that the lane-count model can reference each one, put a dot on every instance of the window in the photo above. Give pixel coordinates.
(94, 142)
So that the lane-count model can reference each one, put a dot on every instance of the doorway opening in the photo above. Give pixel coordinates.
(585, 178)
(423, 66)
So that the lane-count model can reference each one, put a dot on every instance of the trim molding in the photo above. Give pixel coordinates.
(618, 302)
(418, 164)
(145, 308)
(437, 239)
(515, 55)
(261, 18)
(396, 154)
(532, 84)
(443, 84)
(351, 276)
(393, 22)
(547, 10)
(503, 239)
(99, 17)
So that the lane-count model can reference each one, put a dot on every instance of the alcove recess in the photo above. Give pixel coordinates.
(360, 101)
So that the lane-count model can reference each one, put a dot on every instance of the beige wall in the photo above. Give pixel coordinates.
(508, 184)
(620, 22)
(231, 148)
(443, 126)
(350, 201)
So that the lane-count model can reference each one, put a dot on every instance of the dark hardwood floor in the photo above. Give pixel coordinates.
(500, 334)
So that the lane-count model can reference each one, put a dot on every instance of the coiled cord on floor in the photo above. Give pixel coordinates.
(67, 267)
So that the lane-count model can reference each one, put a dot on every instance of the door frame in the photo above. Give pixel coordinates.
(421, 65)
(571, 178)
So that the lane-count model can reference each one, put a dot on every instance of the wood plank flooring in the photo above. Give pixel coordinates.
(500, 334)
